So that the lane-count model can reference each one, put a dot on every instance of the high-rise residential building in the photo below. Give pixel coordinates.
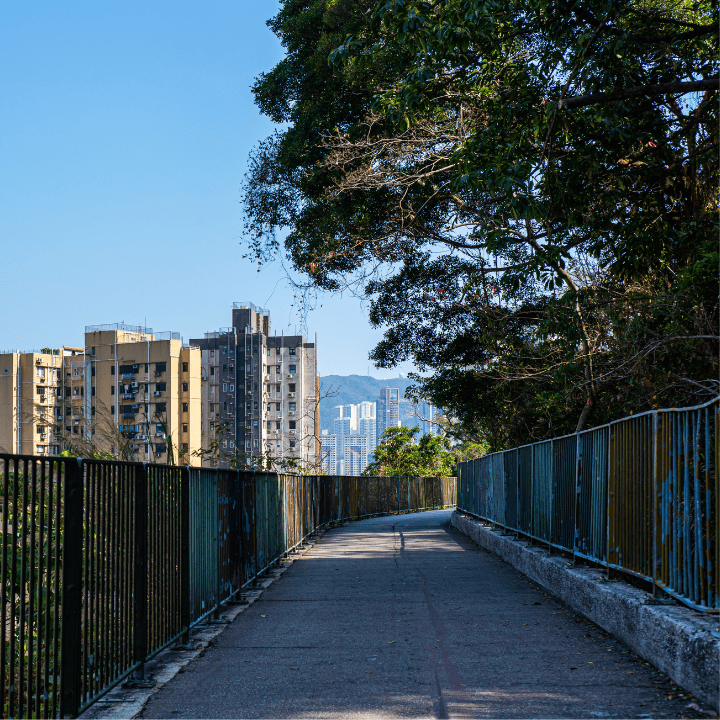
(367, 426)
(43, 399)
(355, 437)
(355, 454)
(148, 385)
(328, 453)
(260, 391)
(388, 410)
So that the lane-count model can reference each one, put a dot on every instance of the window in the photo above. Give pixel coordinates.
(40, 390)
(292, 444)
(277, 389)
(292, 351)
(184, 367)
(92, 350)
(247, 444)
(112, 369)
(255, 423)
(255, 442)
(291, 406)
(160, 367)
(158, 428)
(224, 350)
(185, 427)
(92, 371)
(92, 391)
(224, 387)
(147, 368)
(212, 369)
(255, 405)
(293, 425)
(277, 350)
(291, 387)
(232, 387)
(292, 369)
(185, 387)
(224, 368)
(112, 409)
(92, 410)
(185, 407)
(40, 372)
(277, 407)
(127, 369)
(277, 425)
(161, 387)
(255, 349)
(160, 408)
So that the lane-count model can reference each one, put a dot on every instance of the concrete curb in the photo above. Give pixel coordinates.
(677, 640)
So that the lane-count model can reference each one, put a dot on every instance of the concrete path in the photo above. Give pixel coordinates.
(405, 617)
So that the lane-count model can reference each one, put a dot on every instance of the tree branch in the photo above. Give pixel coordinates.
(673, 88)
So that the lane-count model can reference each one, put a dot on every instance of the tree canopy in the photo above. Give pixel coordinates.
(525, 190)
(399, 454)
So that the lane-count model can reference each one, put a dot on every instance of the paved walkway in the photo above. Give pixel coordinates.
(404, 617)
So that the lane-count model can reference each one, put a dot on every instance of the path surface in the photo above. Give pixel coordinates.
(405, 617)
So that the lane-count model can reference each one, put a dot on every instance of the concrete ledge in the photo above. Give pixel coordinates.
(677, 640)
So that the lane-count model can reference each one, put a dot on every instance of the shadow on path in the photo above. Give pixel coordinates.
(403, 616)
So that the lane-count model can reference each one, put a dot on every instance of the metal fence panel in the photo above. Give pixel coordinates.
(564, 492)
(203, 499)
(630, 495)
(510, 469)
(542, 490)
(687, 497)
(591, 508)
(525, 489)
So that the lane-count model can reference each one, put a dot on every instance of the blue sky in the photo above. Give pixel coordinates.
(124, 135)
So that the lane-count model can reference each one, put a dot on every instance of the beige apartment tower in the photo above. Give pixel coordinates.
(148, 386)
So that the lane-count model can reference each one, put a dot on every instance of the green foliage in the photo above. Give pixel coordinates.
(398, 454)
(525, 191)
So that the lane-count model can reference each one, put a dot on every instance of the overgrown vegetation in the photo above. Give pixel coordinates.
(526, 192)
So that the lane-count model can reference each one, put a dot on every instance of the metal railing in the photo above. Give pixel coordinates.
(104, 564)
(639, 495)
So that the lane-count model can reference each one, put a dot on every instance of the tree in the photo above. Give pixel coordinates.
(525, 191)
(398, 454)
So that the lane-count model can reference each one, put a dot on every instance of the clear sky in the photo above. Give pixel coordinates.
(124, 135)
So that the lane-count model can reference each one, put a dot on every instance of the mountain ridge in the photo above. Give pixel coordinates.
(354, 389)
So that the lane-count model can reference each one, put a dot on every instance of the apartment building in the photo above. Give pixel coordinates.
(388, 410)
(260, 391)
(144, 387)
(328, 450)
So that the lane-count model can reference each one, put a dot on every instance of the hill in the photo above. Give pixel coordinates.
(353, 389)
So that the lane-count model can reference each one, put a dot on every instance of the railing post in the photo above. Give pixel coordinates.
(185, 553)
(216, 538)
(71, 612)
(140, 551)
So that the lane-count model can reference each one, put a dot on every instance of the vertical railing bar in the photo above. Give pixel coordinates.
(23, 575)
(31, 585)
(41, 639)
(185, 554)
(71, 589)
(4, 572)
(140, 554)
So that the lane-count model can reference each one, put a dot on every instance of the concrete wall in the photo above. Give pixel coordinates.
(679, 641)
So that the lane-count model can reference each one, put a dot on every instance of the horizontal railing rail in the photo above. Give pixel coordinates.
(104, 563)
(638, 496)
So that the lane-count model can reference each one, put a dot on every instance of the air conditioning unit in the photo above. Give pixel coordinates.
(134, 384)
(157, 392)
(158, 454)
(157, 373)
(43, 398)
(290, 377)
(135, 407)
(160, 435)
(292, 394)
(77, 422)
(38, 361)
